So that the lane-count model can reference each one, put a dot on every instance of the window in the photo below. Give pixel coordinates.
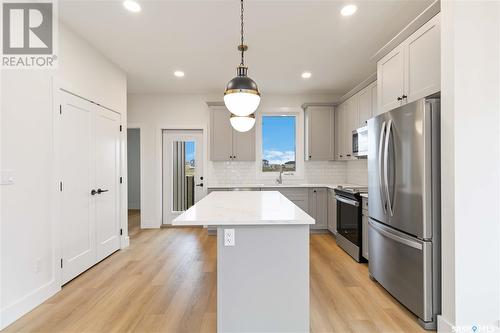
(278, 143)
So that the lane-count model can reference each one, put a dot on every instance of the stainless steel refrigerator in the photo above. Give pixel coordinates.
(404, 206)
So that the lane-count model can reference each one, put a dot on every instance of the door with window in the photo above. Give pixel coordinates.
(183, 182)
(87, 145)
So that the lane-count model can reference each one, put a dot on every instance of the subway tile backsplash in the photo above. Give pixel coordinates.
(245, 173)
(357, 172)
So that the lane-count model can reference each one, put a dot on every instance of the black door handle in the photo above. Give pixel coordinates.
(93, 192)
(404, 96)
(200, 184)
(400, 98)
(99, 191)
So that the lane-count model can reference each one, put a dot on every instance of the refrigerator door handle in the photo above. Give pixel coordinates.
(386, 168)
(380, 177)
(391, 235)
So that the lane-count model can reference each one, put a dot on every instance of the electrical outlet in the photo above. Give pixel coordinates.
(229, 237)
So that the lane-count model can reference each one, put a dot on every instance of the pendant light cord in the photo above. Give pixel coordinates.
(242, 40)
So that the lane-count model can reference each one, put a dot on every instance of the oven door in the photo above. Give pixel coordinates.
(349, 219)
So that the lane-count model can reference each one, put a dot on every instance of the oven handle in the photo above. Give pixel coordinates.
(347, 201)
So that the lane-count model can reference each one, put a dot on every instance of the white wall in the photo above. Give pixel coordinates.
(134, 168)
(470, 128)
(27, 227)
(156, 111)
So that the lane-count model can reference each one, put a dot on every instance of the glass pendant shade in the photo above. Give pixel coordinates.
(242, 96)
(242, 124)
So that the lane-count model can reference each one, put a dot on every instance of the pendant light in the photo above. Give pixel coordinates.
(242, 96)
(242, 124)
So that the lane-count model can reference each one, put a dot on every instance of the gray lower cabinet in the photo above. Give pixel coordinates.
(332, 212)
(318, 207)
(364, 230)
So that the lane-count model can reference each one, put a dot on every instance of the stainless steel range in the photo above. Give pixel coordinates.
(349, 222)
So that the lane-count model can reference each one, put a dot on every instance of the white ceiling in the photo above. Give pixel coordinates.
(285, 38)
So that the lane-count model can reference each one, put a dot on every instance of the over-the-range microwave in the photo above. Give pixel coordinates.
(360, 142)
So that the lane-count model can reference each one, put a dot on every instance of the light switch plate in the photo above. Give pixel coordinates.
(229, 237)
(7, 177)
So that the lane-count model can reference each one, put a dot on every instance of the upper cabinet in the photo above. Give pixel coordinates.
(226, 144)
(390, 78)
(350, 115)
(319, 133)
(412, 70)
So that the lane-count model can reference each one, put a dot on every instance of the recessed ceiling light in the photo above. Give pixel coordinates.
(306, 75)
(348, 10)
(179, 73)
(132, 6)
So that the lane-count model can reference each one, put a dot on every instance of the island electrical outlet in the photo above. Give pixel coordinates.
(229, 237)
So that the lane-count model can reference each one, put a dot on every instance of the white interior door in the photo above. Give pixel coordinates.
(75, 142)
(88, 150)
(107, 159)
(183, 182)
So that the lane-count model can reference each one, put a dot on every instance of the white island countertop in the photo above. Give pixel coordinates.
(244, 208)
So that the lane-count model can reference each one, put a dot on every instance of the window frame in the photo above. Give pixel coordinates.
(299, 143)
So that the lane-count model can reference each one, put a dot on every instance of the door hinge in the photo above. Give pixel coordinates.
(60, 186)
(121, 232)
(60, 109)
(61, 263)
(121, 128)
(121, 180)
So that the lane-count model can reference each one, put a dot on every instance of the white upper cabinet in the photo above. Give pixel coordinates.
(375, 109)
(340, 132)
(390, 80)
(221, 133)
(320, 129)
(412, 70)
(423, 59)
(244, 145)
(365, 105)
(226, 144)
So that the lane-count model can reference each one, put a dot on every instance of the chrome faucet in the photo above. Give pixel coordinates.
(279, 180)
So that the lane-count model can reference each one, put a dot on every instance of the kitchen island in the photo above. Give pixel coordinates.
(262, 260)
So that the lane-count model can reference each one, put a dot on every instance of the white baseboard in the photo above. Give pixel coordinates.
(124, 242)
(16, 310)
(444, 325)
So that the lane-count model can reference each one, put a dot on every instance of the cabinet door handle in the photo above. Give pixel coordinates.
(400, 98)
(404, 96)
(93, 192)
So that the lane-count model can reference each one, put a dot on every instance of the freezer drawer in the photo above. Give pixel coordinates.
(403, 266)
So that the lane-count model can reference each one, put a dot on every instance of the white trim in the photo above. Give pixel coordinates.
(158, 221)
(299, 142)
(443, 325)
(25, 304)
(140, 127)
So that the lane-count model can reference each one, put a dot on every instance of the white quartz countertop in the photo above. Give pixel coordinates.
(244, 208)
(305, 185)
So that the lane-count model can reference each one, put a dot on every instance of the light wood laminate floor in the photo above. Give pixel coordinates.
(166, 282)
